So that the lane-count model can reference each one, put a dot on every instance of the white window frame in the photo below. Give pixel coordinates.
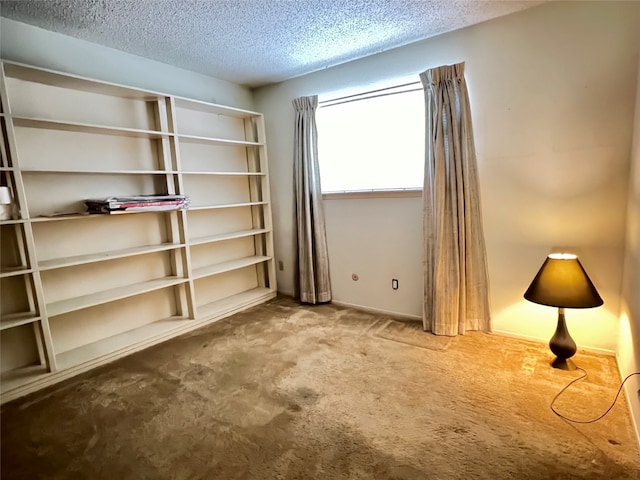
(398, 89)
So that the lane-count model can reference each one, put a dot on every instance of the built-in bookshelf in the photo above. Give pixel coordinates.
(80, 290)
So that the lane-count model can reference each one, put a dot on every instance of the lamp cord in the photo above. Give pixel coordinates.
(578, 379)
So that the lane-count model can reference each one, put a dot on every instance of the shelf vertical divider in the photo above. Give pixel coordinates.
(257, 161)
(261, 137)
(178, 220)
(43, 338)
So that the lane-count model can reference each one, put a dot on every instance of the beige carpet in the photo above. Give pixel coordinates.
(290, 392)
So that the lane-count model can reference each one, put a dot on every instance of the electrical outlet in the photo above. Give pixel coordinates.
(280, 265)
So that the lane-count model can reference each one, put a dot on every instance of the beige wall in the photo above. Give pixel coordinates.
(552, 92)
(629, 341)
(24, 43)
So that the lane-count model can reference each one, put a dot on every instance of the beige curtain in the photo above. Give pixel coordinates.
(456, 285)
(313, 258)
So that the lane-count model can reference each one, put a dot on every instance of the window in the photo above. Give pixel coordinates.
(372, 141)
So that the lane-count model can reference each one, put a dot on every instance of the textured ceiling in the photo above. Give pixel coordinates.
(255, 42)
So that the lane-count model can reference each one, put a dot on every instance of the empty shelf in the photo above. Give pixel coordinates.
(122, 343)
(17, 319)
(235, 302)
(200, 106)
(100, 257)
(227, 236)
(105, 296)
(236, 174)
(218, 141)
(12, 222)
(96, 172)
(12, 271)
(13, 379)
(31, 122)
(228, 266)
(227, 205)
(75, 82)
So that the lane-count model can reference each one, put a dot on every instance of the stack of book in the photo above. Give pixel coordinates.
(137, 203)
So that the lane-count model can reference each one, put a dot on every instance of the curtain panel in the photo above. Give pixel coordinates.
(313, 257)
(456, 285)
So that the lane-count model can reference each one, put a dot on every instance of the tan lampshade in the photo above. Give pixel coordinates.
(562, 282)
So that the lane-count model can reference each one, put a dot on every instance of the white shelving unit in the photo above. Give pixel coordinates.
(81, 290)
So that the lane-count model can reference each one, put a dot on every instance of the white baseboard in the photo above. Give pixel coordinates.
(602, 351)
(630, 396)
(377, 310)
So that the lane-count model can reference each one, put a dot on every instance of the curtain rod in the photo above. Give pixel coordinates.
(349, 98)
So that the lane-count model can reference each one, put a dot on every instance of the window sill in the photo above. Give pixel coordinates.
(358, 194)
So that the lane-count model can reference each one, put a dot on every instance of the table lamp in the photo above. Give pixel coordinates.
(562, 282)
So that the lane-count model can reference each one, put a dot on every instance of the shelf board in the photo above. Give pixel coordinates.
(129, 339)
(13, 222)
(31, 122)
(228, 266)
(98, 172)
(200, 106)
(21, 376)
(227, 236)
(235, 302)
(13, 271)
(237, 174)
(85, 215)
(17, 319)
(65, 216)
(103, 256)
(217, 141)
(106, 296)
(7, 169)
(75, 82)
(227, 205)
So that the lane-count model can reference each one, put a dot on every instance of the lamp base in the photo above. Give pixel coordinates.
(562, 344)
(563, 364)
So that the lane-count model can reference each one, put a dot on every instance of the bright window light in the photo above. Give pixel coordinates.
(374, 143)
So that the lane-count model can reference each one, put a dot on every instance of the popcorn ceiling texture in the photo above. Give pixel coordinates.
(254, 42)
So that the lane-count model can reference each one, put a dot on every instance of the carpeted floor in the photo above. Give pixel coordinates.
(289, 392)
